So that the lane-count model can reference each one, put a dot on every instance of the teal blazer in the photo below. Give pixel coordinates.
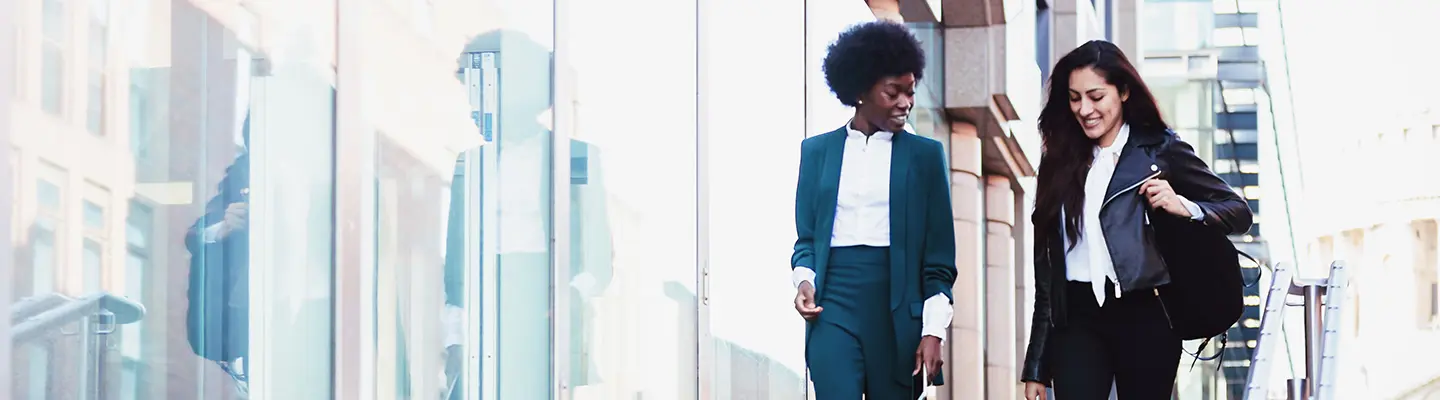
(922, 225)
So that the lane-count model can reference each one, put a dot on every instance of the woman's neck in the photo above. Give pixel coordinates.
(860, 124)
(1108, 139)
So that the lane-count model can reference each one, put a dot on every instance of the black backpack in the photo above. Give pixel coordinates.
(1205, 296)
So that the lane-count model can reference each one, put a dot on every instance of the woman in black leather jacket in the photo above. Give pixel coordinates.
(1110, 164)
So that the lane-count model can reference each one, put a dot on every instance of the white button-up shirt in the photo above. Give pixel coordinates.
(862, 214)
(1089, 260)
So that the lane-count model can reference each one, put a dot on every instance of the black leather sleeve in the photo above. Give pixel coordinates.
(1035, 368)
(1190, 177)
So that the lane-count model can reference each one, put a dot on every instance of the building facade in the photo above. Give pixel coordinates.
(1202, 61)
(1393, 310)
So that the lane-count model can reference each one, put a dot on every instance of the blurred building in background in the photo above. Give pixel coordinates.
(1390, 234)
(1203, 62)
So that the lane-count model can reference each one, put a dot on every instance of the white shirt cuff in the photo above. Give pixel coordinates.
(936, 318)
(211, 233)
(1195, 212)
(802, 274)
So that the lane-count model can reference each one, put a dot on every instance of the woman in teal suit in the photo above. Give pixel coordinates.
(875, 254)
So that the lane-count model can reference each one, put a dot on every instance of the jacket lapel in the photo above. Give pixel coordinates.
(899, 199)
(830, 185)
(1134, 165)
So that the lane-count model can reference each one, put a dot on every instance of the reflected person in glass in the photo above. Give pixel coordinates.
(1114, 185)
(523, 260)
(218, 317)
(874, 257)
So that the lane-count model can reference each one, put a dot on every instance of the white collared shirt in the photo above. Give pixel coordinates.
(1089, 260)
(862, 214)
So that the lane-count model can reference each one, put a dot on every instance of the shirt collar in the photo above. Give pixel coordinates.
(879, 135)
(1118, 145)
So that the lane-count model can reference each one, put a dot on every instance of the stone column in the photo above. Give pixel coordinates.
(1024, 267)
(965, 366)
(1002, 380)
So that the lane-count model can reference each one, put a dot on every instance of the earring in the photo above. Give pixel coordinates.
(860, 102)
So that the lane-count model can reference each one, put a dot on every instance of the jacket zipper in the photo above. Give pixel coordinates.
(1163, 309)
(1131, 187)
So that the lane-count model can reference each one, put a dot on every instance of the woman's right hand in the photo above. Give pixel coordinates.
(1034, 391)
(805, 301)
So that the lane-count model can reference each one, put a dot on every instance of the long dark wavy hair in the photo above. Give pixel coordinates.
(1067, 152)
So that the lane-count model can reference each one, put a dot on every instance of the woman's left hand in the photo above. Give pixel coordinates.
(1163, 197)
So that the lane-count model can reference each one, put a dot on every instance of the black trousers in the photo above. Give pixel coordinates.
(1128, 342)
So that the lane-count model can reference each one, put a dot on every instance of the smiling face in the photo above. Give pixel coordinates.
(887, 104)
(1096, 104)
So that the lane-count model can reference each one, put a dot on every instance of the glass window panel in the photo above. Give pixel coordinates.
(1223, 6)
(94, 215)
(137, 226)
(465, 126)
(1165, 66)
(1224, 166)
(52, 75)
(47, 194)
(140, 124)
(1248, 6)
(633, 219)
(42, 254)
(1177, 25)
(1252, 192)
(1252, 36)
(1237, 136)
(181, 161)
(95, 106)
(1234, 97)
(756, 186)
(1236, 36)
(90, 266)
(54, 20)
(1186, 105)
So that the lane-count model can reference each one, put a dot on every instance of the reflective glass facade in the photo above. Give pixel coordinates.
(463, 199)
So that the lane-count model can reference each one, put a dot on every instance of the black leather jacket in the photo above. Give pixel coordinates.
(1123, 216)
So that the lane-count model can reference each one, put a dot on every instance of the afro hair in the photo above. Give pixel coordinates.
(868, 52)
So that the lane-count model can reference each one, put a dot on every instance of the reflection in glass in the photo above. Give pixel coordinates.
(42, 254)
(464, 154)
(187, 83)
(90, 266)
(632, 275)
(94, 215)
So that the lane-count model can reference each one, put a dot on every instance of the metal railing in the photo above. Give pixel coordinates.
(42, 320)
(37, 316)
(1272, 320)
(1323, 303)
